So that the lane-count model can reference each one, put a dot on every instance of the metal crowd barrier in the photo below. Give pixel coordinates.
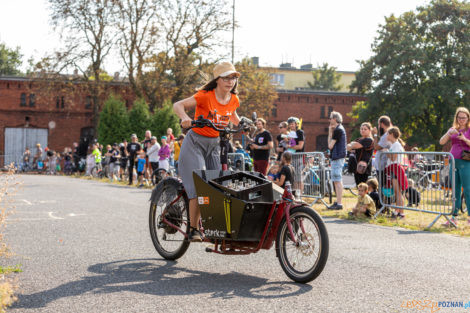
(311, 175)
(418, 181)
(236, 162)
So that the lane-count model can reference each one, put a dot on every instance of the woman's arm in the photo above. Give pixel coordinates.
(180, 107)
(234, 118)
(354, 146)
(281, 180)
(444, 139)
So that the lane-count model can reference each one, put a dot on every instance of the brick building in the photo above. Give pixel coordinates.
(55, 117)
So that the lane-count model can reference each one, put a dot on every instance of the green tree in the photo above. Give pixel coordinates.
(325, 78)
(419, 72)
(164, 118)
(139, 118)
(10, 60)
(113, 123)
(256, 92)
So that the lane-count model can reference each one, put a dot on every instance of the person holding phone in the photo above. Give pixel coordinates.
(459, 135)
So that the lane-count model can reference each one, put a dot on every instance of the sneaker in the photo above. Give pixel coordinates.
(336, 206)
(141, 185)
(195, 235)
(448, 224)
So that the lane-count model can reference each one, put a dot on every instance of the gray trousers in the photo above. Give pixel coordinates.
(197, 153)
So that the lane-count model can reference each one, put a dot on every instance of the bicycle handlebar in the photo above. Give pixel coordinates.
(202, 122)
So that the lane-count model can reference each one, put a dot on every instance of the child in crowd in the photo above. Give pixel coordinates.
(412, 194)
(140, 168)
(273, 172)
(286, 174)
(373, 186)
(365, 205)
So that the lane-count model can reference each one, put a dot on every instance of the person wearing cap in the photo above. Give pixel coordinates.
(152, 153)
(217, 101)
(164, 155)
(132, 148)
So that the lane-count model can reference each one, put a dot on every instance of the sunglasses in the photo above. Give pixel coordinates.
(229, 79)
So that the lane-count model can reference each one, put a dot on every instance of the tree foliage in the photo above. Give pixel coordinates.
(113, 123)
(256, 92)
(325, 78)
(420, 70)
(163, 119)
(139, 118)
(10, 60)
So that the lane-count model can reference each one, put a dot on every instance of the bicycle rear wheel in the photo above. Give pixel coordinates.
(170, 201)
(304, 259)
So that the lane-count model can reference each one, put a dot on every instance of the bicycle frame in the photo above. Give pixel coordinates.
(279, 209)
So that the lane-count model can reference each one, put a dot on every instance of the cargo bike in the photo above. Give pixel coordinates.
(241, 213)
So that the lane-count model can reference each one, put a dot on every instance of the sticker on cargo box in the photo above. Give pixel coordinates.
(203, 200)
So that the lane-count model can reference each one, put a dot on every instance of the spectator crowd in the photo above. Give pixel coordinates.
(140, 160)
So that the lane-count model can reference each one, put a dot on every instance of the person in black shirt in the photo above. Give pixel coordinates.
(337, 145)
(282, 140)
(261, 147)
(132, 148)
(287, 170)
(123, 153)
(363, 149)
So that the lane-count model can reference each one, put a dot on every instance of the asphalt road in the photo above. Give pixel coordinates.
(84, 246)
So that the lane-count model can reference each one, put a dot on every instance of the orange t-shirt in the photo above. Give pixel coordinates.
(211, 109)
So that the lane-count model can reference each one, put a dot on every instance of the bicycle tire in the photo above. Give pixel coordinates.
(308, 243)
(163, 194)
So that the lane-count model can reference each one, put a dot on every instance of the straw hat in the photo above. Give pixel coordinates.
(225, 69)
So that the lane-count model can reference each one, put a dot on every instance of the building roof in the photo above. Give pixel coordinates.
(318, 92)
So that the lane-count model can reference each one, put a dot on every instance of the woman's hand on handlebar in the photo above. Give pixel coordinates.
(186, 123)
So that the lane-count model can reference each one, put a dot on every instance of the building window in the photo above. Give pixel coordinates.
(57, 102)
(88, 102)
(274, 110)
(19, 86)
(62, 102)
(23, 100)
(32, 99)
(316, 100)
(330, 109)
(322, 112)
(8, 85)
(277, 79)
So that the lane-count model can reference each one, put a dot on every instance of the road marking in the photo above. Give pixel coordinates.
(55, 217)
(27, 202)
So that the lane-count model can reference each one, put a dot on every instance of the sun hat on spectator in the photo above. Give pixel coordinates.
(133, 136)
(225, 69)
(153, 138)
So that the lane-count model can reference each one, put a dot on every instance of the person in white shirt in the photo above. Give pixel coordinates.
(395, 169)
(152, 153)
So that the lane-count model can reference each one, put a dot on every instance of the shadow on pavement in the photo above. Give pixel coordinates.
(162, 278)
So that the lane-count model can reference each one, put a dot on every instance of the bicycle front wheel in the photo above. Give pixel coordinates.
(169, 202)
(303, 259)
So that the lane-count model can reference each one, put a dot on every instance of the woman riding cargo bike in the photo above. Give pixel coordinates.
(241, 212)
